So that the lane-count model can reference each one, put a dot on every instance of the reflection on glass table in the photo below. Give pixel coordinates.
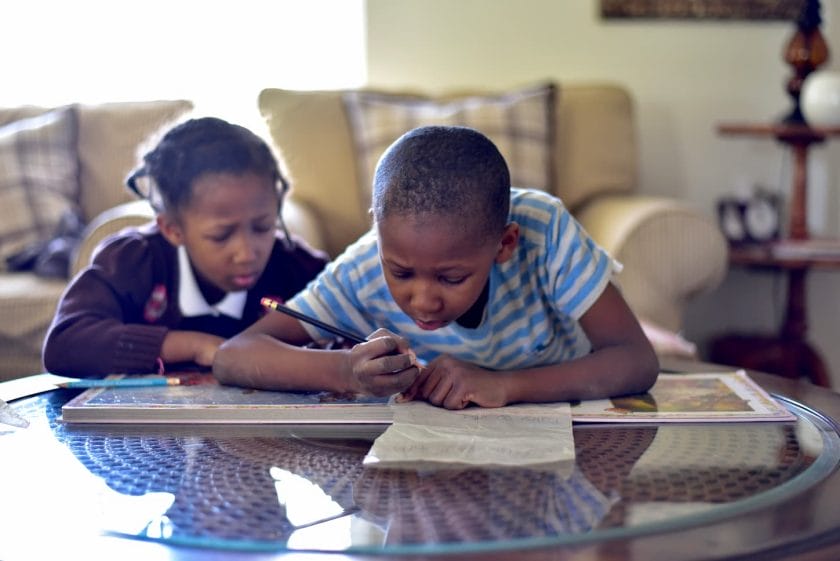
(270, 489)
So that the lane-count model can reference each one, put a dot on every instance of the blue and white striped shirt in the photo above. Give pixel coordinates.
(535, 298)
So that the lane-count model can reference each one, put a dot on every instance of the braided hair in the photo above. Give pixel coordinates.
(197, 147)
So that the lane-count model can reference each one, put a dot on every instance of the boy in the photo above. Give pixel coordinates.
(498, 290)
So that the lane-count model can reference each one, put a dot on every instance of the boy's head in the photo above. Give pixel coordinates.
(444, 171)
(217, 190)
(441, 198)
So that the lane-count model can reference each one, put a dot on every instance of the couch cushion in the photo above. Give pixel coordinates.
(27, 306)
(39, 173)
(112, 137)
(11, 114)
(520, 123)
(310, 131)
(596, 150)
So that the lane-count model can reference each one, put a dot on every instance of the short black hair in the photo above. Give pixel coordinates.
(444, 170)
(197, 147)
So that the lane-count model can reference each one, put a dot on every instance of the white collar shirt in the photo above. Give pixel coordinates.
(192, 301)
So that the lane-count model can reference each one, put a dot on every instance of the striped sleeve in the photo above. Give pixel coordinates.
(338, 294)
(576, 269)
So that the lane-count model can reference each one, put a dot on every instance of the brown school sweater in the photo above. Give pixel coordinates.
(114, 315)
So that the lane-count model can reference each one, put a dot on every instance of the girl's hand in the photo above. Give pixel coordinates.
(190, 346)
(453, 384)
(206, 346)
(383, 365)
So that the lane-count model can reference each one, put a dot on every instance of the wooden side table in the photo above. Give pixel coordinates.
(788, 353)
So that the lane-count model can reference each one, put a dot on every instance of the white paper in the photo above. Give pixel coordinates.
(425, 436)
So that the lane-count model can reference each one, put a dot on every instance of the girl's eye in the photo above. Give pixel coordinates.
(453, 280)
(263, 228)
(400, 274)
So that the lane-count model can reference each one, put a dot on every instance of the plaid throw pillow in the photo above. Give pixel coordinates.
(520, 124)
(39, 178)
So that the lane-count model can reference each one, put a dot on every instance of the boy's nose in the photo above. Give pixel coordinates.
(424, 299)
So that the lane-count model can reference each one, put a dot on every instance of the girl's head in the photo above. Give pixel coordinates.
(441, 201)
(197, 147)
(217, 190)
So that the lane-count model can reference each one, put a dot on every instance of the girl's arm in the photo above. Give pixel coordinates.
(267, 356)
(100, 325)
(190, 346)
(97, 327)
(622, 361)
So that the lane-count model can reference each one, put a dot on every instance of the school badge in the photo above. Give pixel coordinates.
(156, 304)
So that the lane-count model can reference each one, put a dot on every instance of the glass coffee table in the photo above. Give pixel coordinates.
(671, 491)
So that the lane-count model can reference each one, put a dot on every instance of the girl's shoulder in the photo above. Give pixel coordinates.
(297, 248)
(293, 262)
(133, 245)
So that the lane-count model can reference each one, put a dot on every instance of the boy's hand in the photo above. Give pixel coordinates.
(383, 365)
(453, 384)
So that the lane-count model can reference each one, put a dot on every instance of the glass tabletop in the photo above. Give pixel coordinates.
(276, 488)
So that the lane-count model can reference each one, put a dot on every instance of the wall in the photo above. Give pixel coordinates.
(686, 76)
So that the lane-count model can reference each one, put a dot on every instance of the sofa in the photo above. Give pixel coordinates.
(576, 140)
(55, 162)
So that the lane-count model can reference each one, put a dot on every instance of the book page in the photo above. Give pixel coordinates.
(517, 435)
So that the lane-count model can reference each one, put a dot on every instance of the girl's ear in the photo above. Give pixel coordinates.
(508, 243)
(170, 228)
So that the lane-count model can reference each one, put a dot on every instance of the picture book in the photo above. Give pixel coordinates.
(200, 399)
(706, 397)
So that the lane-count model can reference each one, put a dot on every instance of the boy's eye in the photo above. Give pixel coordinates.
(453, 280)
(400, 274)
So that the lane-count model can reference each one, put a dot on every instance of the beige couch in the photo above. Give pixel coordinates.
(104, 146)
(670, 252)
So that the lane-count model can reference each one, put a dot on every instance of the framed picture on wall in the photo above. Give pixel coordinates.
(702, 9)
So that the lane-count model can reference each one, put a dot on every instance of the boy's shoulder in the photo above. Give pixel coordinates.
(362, 252)
(520, 196)
(359, 262)
(533, 205)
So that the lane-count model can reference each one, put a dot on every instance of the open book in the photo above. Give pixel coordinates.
(200, 399)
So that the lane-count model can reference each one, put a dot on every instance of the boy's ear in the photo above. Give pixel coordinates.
(170, 228)
(508, 243)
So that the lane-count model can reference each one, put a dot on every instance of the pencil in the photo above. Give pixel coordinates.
(132, 382)
(277, 306)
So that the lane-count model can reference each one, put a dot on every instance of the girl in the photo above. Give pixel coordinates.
(174, 290)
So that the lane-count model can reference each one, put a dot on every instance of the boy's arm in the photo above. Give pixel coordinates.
(267, 356)
(622, 361)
